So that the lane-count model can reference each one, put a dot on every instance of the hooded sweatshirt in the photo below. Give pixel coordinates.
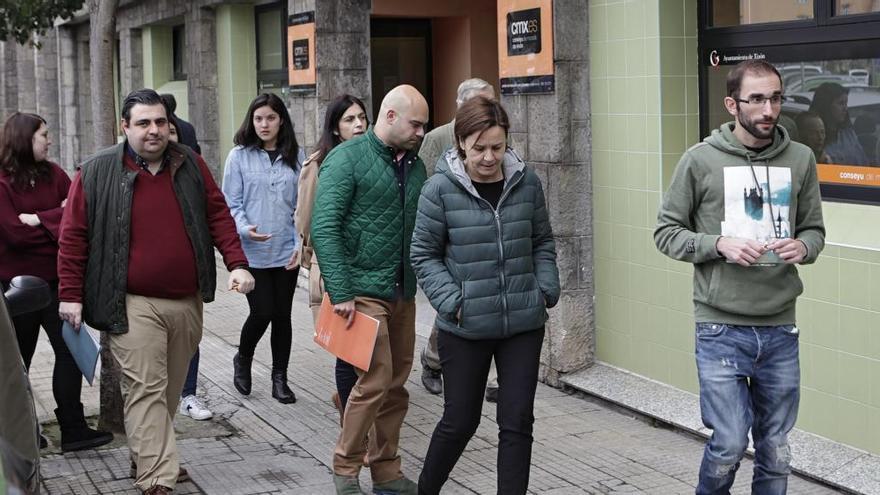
(721, 188)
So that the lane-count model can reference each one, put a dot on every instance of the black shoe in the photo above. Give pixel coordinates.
(280, 390)
(241, 374)
(492, 394)
(432, 380)
(75, 432)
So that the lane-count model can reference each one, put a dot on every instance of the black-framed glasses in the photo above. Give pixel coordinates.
(760, 100)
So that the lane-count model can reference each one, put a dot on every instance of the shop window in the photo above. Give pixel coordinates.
(830, 72)
(852, 7)
(271, 30)
(744, 12)
(178, 43)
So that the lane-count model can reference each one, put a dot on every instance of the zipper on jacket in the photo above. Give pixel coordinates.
(496, 212)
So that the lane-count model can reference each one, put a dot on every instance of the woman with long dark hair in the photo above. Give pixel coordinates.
(842, 144)
(346, 118)
(260, 185)
(33, 192)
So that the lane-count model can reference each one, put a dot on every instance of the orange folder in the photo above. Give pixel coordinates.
(352, 344)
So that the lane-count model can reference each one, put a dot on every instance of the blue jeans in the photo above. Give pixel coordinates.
(189, 386)
(749, 378)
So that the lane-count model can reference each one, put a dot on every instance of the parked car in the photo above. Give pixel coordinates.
(861, 75)
(19, 428)
(810, 83)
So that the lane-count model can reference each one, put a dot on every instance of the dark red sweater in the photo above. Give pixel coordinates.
(26, 250)
(161, 261)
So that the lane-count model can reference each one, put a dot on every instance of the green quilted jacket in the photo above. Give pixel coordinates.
(493, 267)
(361, 224)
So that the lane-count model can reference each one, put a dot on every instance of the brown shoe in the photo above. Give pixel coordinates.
(337, 404)
(182, 474)
(158, 490)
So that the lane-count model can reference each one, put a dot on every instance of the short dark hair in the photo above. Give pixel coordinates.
(247, 135)
(753, 67)
(17, 150)
(477, 115)
(335, 110)
(170, 101)
(142, 97)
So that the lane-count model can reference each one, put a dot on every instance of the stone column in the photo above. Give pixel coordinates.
(552, 132)
(131, 61)
(46, 88)
(24, 57)
(201, 59)
(342, 53)
(82, 92)
(68, 108)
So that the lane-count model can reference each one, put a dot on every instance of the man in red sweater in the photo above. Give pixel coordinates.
(136, 259)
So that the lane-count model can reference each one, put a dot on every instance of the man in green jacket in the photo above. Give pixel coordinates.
(434, 146)
(744, 208)
(362, 224)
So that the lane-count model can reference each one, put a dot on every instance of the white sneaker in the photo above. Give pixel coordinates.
(191, 406)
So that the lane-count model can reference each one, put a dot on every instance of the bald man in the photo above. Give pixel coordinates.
(362, 223)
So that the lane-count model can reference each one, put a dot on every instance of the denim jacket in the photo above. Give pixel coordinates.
(263, 194)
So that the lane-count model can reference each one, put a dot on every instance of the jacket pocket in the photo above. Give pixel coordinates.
(464, 308)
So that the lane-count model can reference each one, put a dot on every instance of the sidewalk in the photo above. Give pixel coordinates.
(255, 445)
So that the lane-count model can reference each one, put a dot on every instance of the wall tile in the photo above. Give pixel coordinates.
(825, 324)
(854, 372)
(671, 57)
(856, 287)
(853, 423)
(671, 17)
(854, 332)
(826, 370)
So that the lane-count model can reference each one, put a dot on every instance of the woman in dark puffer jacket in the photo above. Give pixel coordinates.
(484, 255)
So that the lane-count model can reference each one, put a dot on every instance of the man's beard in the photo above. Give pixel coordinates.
(753, 129)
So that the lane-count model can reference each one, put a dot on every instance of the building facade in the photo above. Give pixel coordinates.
(633, 90)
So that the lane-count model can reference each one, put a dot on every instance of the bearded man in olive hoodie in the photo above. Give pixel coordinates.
(744, 208)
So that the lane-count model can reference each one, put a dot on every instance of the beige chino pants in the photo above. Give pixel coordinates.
(379, 399)
(154, 356)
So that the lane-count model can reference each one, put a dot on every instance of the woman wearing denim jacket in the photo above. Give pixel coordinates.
(260, 185)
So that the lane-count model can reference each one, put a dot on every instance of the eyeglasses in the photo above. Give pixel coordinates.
(760, 100)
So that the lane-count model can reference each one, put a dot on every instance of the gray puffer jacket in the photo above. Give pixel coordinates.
(498, 266)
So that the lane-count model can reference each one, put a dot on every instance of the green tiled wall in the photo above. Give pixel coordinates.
(158, 63)
(236, 68)
(644, 96)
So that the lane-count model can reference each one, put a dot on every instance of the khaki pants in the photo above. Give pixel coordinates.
(379, 399)
(316, 289)
(163, 335)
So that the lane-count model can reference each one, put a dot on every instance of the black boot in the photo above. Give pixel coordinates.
(280, 390)
(241, 376)
(75, 432)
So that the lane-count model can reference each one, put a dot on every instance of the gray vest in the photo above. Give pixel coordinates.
(108, 186)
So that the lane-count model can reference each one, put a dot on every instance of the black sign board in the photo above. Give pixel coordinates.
(524, 32)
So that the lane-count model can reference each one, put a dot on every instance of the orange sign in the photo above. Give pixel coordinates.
(525, 46)
(849, 174)
(301, 52)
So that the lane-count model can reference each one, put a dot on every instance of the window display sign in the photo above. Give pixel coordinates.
(525, 42)
(832, 105)
(301, 53)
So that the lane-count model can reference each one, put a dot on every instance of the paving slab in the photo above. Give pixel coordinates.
(259, 446)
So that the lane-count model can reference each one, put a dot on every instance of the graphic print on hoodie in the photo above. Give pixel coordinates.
(757, 200)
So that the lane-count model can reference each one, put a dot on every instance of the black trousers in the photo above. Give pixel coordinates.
(270, 302)
(66, 376)
(465, 367)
